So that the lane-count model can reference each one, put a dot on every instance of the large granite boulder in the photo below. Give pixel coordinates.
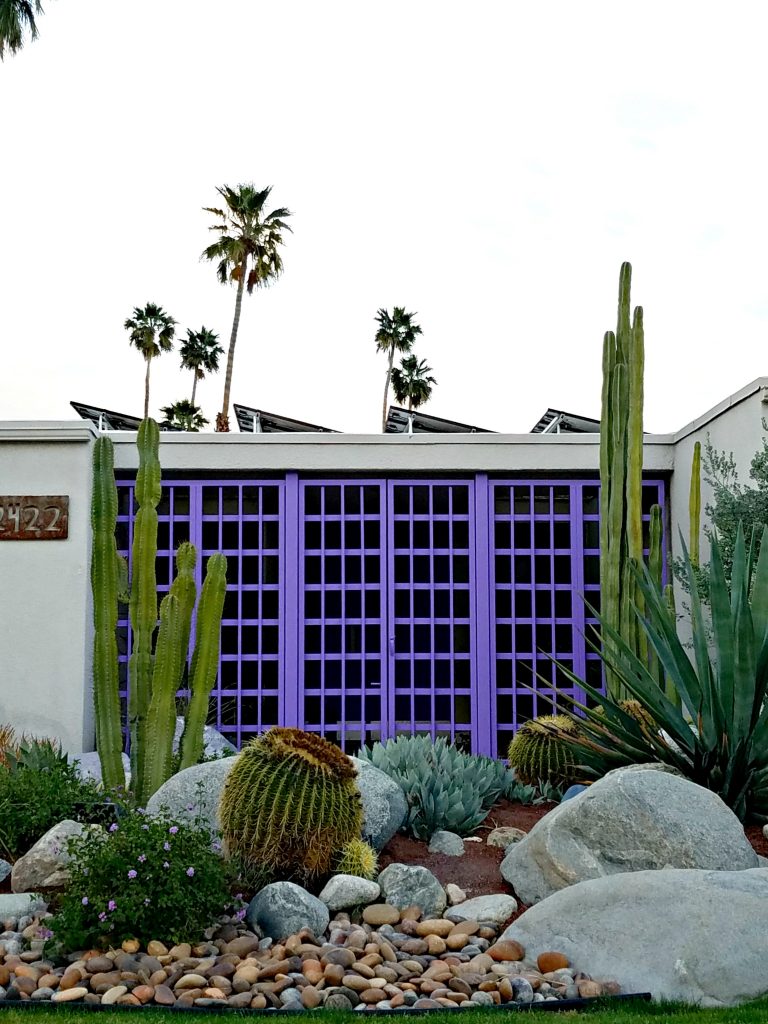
(194, 792)
(283, 908)
(385, 807)
(408, 885)
(88, 766)
(691, 935)
(214, 744)
(46, 864)
(631, 820)
(19, 904)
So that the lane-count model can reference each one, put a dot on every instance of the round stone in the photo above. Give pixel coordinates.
(381, 913)
(434, 926)
(310, 997)
(164, 996)
(69, 995)
(552, 961)
(338, 1001)
(506, 949)
(155, 948)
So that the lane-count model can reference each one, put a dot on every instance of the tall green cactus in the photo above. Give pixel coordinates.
(143, 604)
(105, 588)
(694, 506)
(205, 658)
(621, 472)
(155, 675)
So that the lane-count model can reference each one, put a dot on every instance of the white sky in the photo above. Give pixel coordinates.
(488, 165)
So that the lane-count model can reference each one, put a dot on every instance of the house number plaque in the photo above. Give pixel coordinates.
(42, 517)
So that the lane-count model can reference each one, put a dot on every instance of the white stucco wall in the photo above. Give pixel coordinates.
(45, 656)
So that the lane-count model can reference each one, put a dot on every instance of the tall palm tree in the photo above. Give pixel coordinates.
(397, 333)
(200, 354)
(151, 330)
(17, 17)
(247, 252)
(183, 414)
(412, 383)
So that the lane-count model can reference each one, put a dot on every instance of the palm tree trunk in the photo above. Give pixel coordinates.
(146, 391)
(222, 420)
(386, 390)
(194, 386)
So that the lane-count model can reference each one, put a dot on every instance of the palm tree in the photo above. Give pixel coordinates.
(412, 383)
(247, 252)
(16, 18)
(151, 331)
(397, 333)
(200, 353)
(183, 414)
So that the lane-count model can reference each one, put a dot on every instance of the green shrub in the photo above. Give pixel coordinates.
(144, 878)
(290, 804)
(36, 796)
(445, 788)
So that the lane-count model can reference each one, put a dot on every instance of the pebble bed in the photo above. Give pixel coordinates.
(384, 960)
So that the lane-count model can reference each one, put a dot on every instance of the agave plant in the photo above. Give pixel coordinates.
(718, 736)
(445, 788)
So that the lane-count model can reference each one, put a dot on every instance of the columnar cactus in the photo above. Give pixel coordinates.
(621, 472)
(694, 506)
(155, 675)
(105, 585)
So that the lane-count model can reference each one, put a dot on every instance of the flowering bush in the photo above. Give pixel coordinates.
(144, 878)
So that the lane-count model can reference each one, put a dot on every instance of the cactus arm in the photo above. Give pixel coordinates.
(205, 658)
(185, 589)
(694, 505)
(635, 441)
(611, 600)
(161, 714)
(143, 604)
(104, 585)
(655, 567)
(606, 446)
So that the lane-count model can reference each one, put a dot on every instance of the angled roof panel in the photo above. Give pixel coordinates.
(107, 419)
(397, 423)
(257, 421)
(555, 421)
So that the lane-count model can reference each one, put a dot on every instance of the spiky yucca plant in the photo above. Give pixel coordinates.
(357, 858)
(290, 803)
(538, 754)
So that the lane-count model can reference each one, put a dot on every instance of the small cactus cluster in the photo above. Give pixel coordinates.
(357, 858)
(291, 804)
(539, 755)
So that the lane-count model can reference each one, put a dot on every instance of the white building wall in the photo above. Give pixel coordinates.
(45, 636)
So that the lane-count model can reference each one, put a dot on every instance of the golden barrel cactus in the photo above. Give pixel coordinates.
(538, 754)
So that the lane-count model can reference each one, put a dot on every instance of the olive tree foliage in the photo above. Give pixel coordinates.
(731, 503)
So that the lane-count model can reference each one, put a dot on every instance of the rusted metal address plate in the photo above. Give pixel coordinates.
(39, 517)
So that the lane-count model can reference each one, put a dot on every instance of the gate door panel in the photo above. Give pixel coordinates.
(342, 611)
(431, 609)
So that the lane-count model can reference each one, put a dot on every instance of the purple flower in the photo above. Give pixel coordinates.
(113, 827)
(84, 901)
(238, 896)
(132, 873)
(142, 858)
(190, 872)
(190, 807)
(173, 830)
(102, 916)
(166, 846)
(147, 901)
(240, 914)
(111, 905)
(216, 846)
(145, 828)
(44, 933)
(166, 864)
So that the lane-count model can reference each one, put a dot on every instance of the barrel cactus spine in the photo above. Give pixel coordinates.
(105, 573)
(290, 803)
(357, 858)
(539, 755)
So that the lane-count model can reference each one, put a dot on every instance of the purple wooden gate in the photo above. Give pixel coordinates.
(363, 608)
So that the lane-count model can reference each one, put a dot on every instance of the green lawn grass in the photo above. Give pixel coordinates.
(616, 1013)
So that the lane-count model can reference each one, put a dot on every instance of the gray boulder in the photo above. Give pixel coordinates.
(690, 935)
(5, 869)
(405, 885)
(88, 766)
(384, 805)
(343, 891)
(448, 843)
(496, 907)
(194, 792)
(46, 865)
(282, 908)
(214, 744)
(505, 836)
(631, 820)
(19, 904)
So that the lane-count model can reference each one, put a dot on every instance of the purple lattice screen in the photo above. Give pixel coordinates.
(362, 608)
